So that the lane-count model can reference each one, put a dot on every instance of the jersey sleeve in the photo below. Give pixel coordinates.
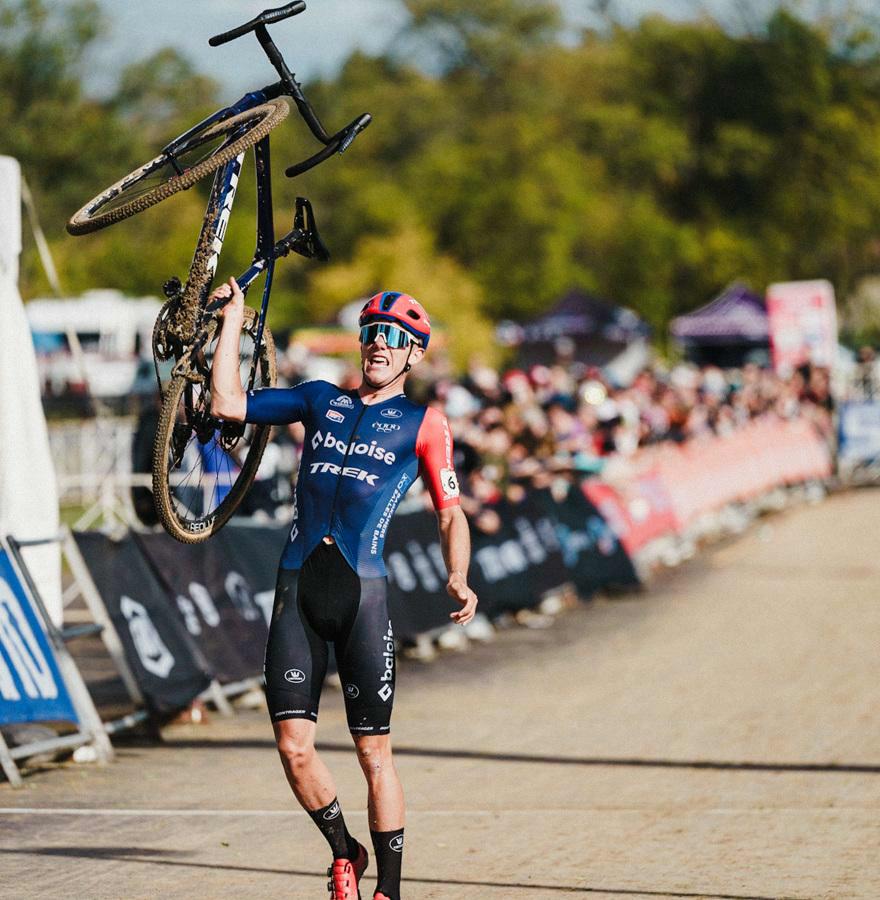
(434, 451)
(279, 406)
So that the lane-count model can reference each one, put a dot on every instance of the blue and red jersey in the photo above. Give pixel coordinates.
(358, 462)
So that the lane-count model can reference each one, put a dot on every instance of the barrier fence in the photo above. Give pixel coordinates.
(189, 618)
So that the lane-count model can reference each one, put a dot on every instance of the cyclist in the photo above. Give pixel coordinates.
(363, 450)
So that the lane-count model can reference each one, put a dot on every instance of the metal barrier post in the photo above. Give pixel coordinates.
(7, 763)
(79, 693)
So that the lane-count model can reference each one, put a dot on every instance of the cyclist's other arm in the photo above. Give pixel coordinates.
(434, 449)
(228, 399)
(455, 541)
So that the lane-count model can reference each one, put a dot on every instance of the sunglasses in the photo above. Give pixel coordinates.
(395, 337)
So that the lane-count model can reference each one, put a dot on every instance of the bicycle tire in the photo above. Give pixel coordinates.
(200, 527)
(258, 122)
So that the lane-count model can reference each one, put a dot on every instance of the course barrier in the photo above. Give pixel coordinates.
(39, 681)
(858, 448)
(667, 490)
(188, 621)
(190, 615)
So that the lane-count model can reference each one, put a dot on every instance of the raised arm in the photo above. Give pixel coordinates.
(228, 399)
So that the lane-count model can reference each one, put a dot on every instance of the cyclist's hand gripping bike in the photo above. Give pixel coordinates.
(202, 466)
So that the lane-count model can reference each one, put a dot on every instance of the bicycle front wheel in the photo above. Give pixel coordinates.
(202, 154)
(202, 467)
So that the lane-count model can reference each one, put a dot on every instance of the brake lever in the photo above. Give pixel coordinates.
(339, 143)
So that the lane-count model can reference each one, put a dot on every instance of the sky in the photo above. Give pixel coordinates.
(314, 43)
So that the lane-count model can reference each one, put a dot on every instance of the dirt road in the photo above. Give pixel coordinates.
(717, 736)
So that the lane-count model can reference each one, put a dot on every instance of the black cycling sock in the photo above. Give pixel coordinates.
(388, 846)
(330, 821)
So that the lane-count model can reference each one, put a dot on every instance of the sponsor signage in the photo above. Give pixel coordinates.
(802, 319)
(31, 687)
(859, 433)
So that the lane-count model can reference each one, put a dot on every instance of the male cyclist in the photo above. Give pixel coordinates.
(363, 450)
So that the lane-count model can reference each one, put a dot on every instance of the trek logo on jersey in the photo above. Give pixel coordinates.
(342, 402)
(360, 449)
(352, 691)
(347, 471)
(391, 413)
(450, 483)
(385, 427)
(331, 813)
(334, 416)
(396, 843)
(295, 676)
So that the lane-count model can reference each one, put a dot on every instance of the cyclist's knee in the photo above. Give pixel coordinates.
(374, 754)
(296, 743)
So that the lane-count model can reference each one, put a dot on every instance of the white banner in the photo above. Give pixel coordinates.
(28, 493)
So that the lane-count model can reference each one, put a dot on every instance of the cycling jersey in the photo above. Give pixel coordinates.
(358, 462)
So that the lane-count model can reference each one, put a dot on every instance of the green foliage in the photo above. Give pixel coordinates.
(651, 164)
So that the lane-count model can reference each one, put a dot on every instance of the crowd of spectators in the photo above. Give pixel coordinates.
(528, 427)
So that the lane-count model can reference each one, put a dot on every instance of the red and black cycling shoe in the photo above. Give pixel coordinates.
(380, 896)
(345, 874)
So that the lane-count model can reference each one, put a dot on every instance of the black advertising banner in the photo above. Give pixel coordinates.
(519, 552)
(159, 651)
(506, 568)
(223, 590)
(416, 575)
(517, 562)
(591, 551)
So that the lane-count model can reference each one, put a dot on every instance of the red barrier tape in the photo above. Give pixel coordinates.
(667, 488)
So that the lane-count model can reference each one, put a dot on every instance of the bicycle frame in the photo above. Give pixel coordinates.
(222, 198)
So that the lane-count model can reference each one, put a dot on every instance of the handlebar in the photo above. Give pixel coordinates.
(336, 143)
(266, 17)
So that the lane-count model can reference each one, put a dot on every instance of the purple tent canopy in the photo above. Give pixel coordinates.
(736, 316)
(579, 315)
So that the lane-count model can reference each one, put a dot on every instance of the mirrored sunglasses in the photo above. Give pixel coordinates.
(395, 337)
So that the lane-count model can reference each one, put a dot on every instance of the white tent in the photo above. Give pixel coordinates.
(28, 492)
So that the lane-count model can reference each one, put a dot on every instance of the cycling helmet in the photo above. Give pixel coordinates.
(403, 310)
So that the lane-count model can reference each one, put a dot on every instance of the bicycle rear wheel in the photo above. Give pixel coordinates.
(202, 467)
(203, 153)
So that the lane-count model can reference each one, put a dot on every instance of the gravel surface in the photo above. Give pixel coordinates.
(716, 736)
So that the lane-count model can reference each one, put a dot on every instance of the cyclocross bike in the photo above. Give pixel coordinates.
(202, 466)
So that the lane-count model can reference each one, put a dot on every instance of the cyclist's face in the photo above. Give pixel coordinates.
(382, 363)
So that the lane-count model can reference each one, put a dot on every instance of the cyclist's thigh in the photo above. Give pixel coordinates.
(365, 655)
(296, 655)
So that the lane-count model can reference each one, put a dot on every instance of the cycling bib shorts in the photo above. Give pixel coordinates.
(327, 602)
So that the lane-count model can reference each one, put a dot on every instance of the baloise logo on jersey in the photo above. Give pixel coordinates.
(360, 449)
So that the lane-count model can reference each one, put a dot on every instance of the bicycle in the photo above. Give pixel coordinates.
(202, 466)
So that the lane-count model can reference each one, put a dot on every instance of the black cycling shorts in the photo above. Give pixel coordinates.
(326, 601)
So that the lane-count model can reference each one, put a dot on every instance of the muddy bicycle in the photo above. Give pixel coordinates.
(203, 466)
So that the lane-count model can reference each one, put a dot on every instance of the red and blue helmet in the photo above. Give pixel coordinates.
(402, 310)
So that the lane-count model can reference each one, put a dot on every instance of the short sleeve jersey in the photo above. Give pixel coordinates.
(358, 462)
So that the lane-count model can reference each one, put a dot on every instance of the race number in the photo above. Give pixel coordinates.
(449, 482)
